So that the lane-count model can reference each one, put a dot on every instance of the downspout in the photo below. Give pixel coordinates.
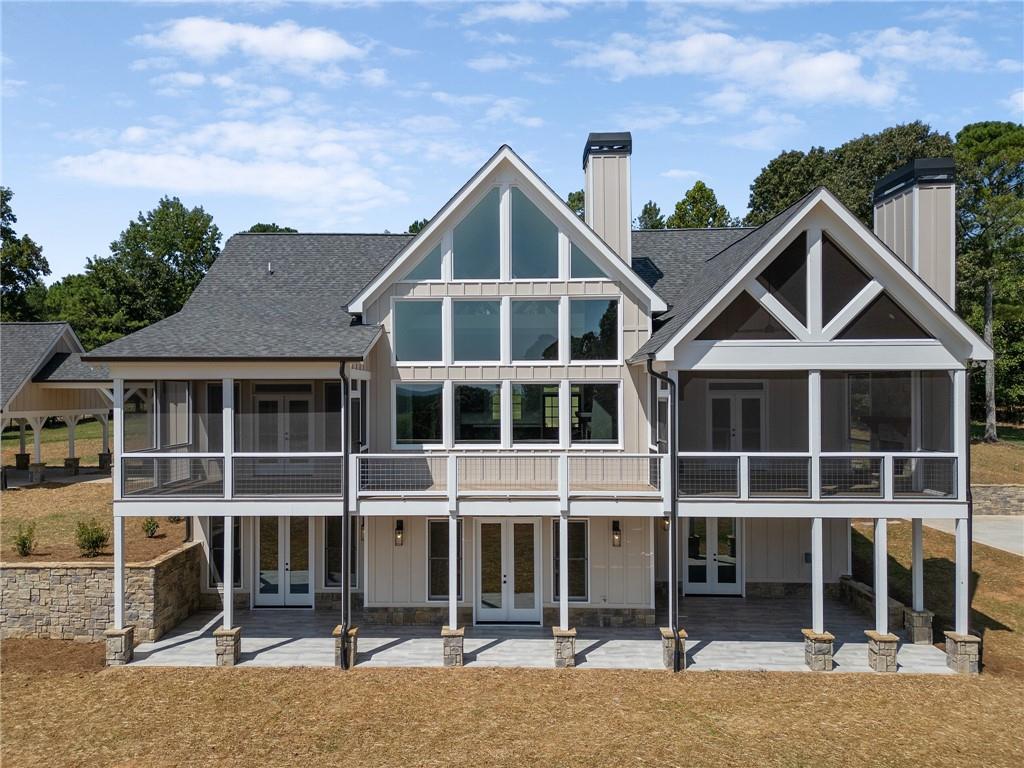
(673, 587)
(346, 525)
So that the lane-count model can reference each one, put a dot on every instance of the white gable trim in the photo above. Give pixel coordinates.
(914, 285)
(567, 222)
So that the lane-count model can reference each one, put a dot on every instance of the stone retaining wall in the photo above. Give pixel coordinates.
(862, 597)
(75, 601)
(998, 499)
(602, 617)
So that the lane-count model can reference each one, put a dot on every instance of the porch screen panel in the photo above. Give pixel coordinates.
(744, 318)
(139, 417)
(883, 318)
(216, 542)
(867, 411)
(936, 411)
(332, 417)
(173, 413)
(841, 279)
(786, 278)
(437, 557)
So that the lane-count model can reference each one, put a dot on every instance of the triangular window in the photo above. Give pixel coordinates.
(429, 267)
(883, 318)
(581, 265)
(476, 242)
(841, 279)
(786, 278)
(744, 318)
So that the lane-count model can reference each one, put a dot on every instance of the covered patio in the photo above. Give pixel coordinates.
(751, 634)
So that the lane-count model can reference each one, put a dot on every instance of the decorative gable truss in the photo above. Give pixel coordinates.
(825, 283)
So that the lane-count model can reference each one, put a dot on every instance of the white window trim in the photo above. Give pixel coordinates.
(479, 299)
(445, 332)
(555, 522)
(618, 360)
(445, 408)
(501, 426)
(616, 446)
(462, 571)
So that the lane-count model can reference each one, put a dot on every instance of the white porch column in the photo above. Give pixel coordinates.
(960, 431)
(817, 578)
(814, 430)
(453, 570)
(962, 576)
(72, 422)
(563, 571)
(917, 566)
(115, 470)
(681, 524)
(37, 439)
(228, 439)
(118, 572)
(228, 570)
(881, 576)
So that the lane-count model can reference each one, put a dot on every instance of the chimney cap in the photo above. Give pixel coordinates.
(616, 143)
(924, 170)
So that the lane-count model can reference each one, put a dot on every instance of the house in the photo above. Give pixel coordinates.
(518, 415)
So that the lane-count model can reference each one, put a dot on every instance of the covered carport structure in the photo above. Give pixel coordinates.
(42, 376)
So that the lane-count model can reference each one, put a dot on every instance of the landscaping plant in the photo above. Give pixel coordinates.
(150, 526)
(25, 540)
(91, 537)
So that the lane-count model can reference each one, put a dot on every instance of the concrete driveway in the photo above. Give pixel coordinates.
(1004, 532)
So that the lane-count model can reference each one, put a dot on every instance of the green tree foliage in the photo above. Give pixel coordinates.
(699, 208)
(650, 217)
(153, 267)
(22, 268)
(849, 171)
(261, 227)
(990, 255)
(417, 225)
(577, 202)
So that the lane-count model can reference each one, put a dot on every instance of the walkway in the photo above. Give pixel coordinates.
(725, 634)
(1005, 532)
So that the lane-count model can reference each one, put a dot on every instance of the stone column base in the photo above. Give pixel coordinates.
(21, 460)
(918, 625)
(120, 646)
(818, 650)
(229, 645)
(882, 651)
(963, 653)
(565, 646)
(346, 647)
(105, 460)
(454, 642)
(71, 464)
(668, 648)
(37, 472)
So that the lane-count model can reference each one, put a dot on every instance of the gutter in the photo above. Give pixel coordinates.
(673, 557)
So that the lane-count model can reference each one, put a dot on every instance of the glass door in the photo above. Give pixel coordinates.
(508, 558)
(284, 555)
(269, 566)
(298, 573)
(712, 556)
(298, 433)
(736, 422)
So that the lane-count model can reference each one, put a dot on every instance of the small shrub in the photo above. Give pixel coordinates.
(91, 537)
(174, 520)
(25, 540)
(150, 526)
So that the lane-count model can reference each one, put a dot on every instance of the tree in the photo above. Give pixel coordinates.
(261, 228)
(417, 225)
(22, 268)
(577, 203)
(990, 234)
(650, 217)
(699, 208)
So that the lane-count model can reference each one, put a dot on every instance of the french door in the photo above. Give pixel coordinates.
(736, 421)
(508, 570)
(284, 561)
(284, 424)
(712, 550)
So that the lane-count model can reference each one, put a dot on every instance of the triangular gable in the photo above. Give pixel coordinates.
(34, 359)
(506, 162)
(922, 304)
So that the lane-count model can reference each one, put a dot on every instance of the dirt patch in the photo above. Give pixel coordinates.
(56, 510)
(32, 657)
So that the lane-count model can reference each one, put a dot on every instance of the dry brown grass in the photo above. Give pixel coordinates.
(56, 509)
(165, 717)
(995, 463)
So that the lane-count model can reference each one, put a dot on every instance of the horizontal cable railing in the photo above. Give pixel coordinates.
(172, 477)
(508, 473)
(287, 475)
(709, 476)
(598, 474)
(400, 474)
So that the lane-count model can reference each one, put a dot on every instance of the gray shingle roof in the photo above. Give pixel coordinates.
(69, 367)
(23, 347)
(293, 310)
(699, 280)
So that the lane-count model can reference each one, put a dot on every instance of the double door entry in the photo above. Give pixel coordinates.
(713, 556)
(284, 561)
(508, 577)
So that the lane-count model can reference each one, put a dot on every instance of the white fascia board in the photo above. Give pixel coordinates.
(219, 369)
(826, 355)
(569, 222)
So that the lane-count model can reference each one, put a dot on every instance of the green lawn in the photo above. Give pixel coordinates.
(88, 437)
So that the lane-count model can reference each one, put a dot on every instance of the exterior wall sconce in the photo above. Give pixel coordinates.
(616, 534)
(665, 524)
(399, 533)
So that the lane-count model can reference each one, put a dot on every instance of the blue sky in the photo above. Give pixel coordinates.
(365, 116)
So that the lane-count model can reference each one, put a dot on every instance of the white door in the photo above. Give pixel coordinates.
(284, 424)
(736, 421)
(508, 570)
(284, 561)
(712, 554)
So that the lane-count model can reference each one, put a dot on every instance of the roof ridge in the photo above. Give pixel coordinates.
(694, 229)
(327, 234)
(36, 322)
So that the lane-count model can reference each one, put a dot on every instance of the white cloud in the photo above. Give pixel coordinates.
(457, 100)
(1015, 66)
(207, 39)
(11, 87)
(426, 124)
(497, 38)
(654, 117)
(933, 48)
(511, 109)
(787, 70)
(680, 173)
(152, 62)
(524, 11)
(177, 83)
(730, 100)
(947, 13)
(374, 77)
(498, 61)
(136, 134)
(773, 129)
(1015, 103)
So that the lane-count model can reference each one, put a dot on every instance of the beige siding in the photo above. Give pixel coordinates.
(936, 247)
(775, 549)
(608, 207)
(34, 397)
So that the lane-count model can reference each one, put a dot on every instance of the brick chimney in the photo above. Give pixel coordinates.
(608, 209)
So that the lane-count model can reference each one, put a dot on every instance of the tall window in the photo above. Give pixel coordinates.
(478, 413)
(416, 332)
(332, 552)
(419, 413)
(534, 329)
(534, 240)
(437, 559)
(594, 410)
(577, 562)
(534, 413)
(476, 330)
(594, 329)
(429, 267)
(476, 249)
(216, 542)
